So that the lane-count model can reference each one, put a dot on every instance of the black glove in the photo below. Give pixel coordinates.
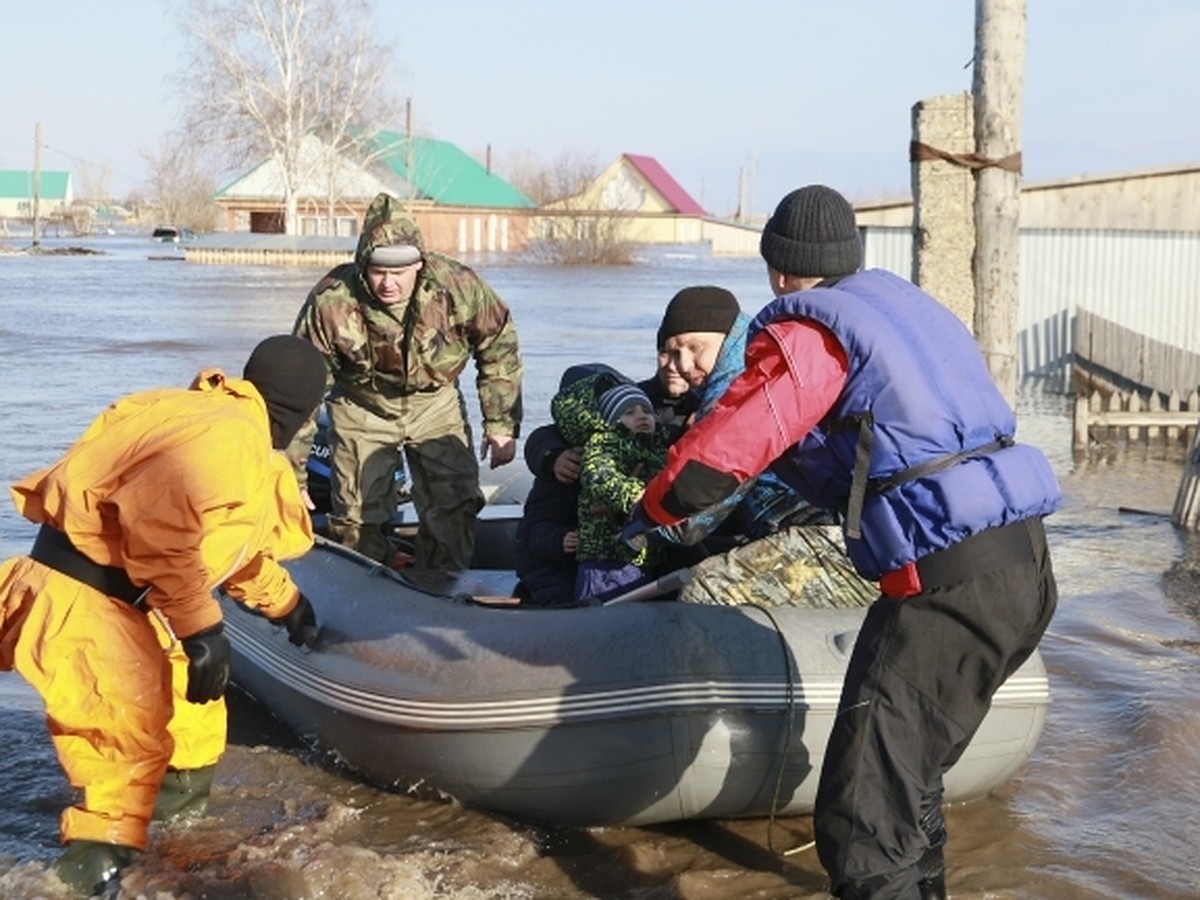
(208, 664)
(301, 623)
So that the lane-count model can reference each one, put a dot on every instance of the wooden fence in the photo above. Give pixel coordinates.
(267, 256)
(1130, 417)
(1129, 359)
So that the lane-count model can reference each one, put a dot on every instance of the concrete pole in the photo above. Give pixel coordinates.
(998, 83)
(944, 203)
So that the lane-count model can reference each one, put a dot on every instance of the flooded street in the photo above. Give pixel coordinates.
(1107, 807)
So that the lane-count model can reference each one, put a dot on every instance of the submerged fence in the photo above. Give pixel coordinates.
(1132, 417)
(1116, 417)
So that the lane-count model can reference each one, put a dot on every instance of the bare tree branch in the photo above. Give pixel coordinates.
(181, 184)
(572, 228)
(263, 75)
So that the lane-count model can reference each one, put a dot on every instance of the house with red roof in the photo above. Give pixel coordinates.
(655, 207)
(640, 198)
(672, 194)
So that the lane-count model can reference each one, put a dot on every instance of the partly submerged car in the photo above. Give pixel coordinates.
(172, 234)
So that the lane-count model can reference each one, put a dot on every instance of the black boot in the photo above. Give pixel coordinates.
(933, 875)
(89, 867)
(933, 888)
(183, 794)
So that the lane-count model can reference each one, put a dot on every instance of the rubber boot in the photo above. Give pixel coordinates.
(932, 866)
(89, 867)
(183, 794)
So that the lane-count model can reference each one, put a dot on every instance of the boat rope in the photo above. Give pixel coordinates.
(800, 848)
(789, 721)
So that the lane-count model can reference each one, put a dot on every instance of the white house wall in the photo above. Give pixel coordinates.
(22, 207)
(267, 179)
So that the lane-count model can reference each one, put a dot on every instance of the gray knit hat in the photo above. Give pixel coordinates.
(812, 233)
(617, 401)
(395, 256)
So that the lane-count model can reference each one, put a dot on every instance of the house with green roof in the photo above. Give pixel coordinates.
(460, 205)
(54, 191)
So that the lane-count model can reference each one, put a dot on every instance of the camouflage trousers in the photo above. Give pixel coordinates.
(432, 430)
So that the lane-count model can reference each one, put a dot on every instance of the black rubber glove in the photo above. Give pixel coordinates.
(301, 623)
(208, 664)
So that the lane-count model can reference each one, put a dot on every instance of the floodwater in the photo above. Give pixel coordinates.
(1108, 806)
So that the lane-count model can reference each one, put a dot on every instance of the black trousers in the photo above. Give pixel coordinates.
(919, 683)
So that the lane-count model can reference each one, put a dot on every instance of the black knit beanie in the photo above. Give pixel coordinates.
(700, 308)
(812, 234)
(290, 374)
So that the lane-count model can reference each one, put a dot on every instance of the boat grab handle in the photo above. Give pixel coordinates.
(672, 581)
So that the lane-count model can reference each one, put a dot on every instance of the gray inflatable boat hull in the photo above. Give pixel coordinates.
(628, 714)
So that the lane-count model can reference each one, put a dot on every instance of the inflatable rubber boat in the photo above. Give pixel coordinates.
(630, 713)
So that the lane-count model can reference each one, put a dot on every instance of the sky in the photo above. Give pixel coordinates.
(779, 92)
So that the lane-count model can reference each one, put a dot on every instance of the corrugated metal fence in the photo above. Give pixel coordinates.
(1146, 282)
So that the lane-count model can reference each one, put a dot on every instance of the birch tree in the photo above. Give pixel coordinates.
(263, 74)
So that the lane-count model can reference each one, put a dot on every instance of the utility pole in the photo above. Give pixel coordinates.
(752, 186)
(998, 83)
(408, 150)
(37, 182)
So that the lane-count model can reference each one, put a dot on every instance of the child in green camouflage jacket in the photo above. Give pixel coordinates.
(625, 449)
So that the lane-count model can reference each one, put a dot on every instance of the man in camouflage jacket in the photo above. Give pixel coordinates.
(396, 327)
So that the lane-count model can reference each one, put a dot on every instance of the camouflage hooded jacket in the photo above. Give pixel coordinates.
(377, 354)
(617, 463)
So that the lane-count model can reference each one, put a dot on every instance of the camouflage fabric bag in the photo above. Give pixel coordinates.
(803, 566)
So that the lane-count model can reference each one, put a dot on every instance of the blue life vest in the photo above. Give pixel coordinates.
(919, 418)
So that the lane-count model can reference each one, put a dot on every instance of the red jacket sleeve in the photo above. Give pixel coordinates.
(795, 371)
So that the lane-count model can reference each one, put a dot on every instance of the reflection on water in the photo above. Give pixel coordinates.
(1108, 806)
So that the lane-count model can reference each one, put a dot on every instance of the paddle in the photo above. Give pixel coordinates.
(672, 581)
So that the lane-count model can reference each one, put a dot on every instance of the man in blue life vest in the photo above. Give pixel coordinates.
(872, 399)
